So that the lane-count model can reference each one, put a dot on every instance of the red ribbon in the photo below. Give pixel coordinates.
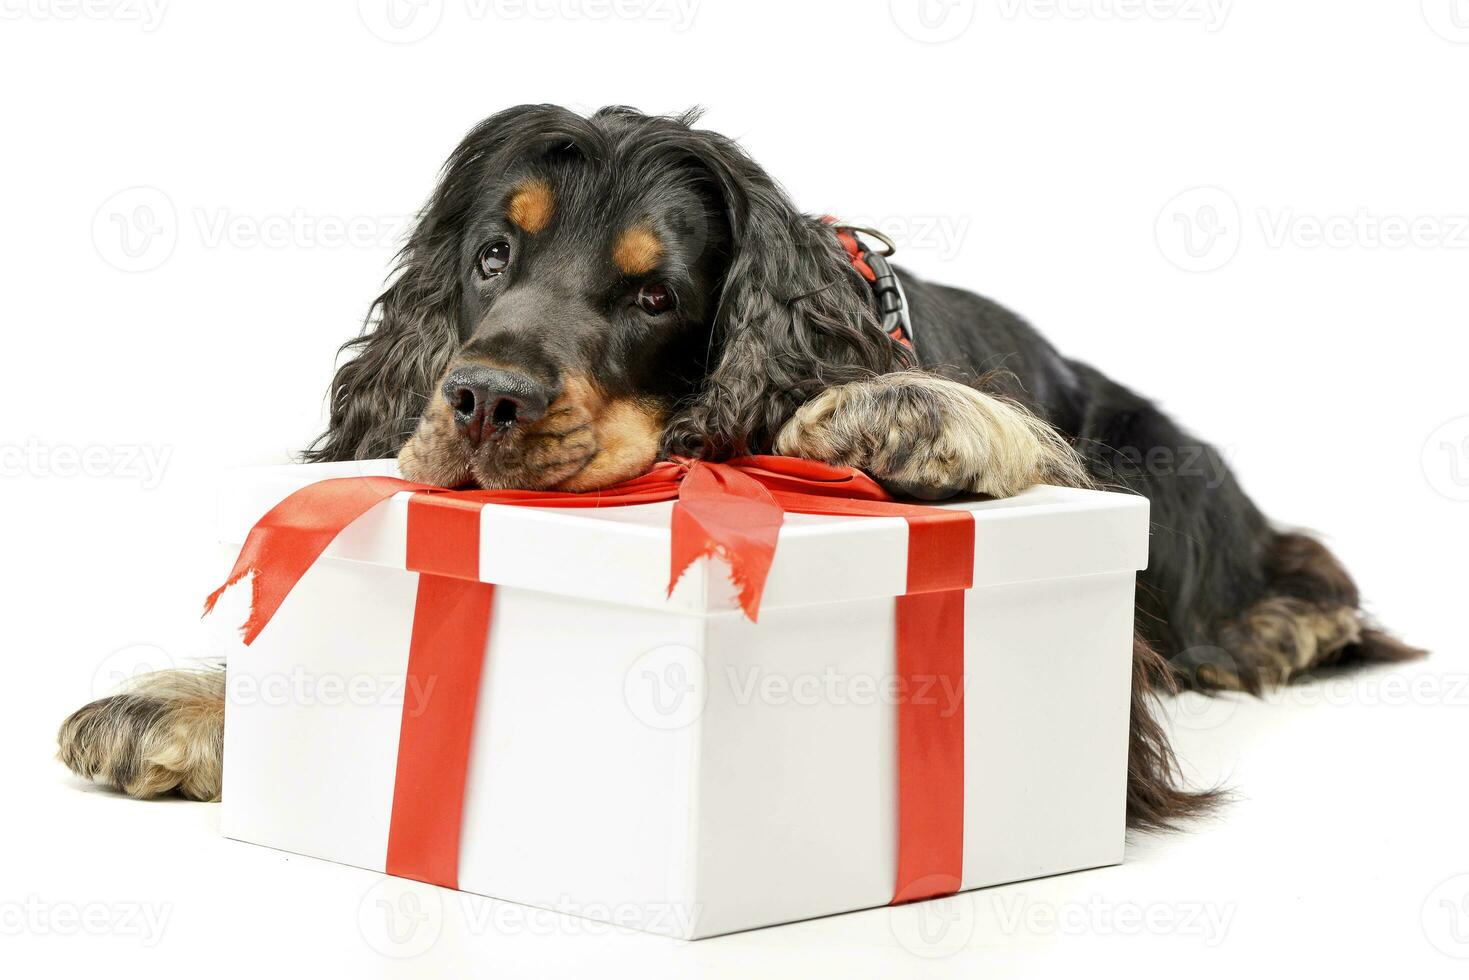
(733, 510)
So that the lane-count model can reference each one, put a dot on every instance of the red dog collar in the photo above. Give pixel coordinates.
(892, 305)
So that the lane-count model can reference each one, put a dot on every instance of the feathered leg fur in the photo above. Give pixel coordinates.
(161, 734)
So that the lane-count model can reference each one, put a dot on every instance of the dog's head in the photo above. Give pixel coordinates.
(581, 295)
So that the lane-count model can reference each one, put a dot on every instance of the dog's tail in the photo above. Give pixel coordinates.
(1309, 617)
(1156, 797)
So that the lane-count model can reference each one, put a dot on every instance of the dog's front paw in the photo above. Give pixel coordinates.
(928, 437)
(166, 732)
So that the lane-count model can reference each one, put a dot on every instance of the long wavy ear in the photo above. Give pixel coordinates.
(412, 329)
(794, 317)
(411, 332)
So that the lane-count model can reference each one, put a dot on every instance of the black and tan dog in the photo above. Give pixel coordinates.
(583, 295)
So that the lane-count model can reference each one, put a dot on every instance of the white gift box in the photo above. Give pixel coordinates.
(659, 760)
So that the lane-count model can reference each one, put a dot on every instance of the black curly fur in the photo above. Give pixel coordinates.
(785, 317)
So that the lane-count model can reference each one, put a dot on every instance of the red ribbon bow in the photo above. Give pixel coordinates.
(733, 510)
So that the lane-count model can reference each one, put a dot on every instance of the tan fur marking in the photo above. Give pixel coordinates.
(163, 732)
(628, 432)
(637, 250)
(1283, 636)
(435, 453)
(585, 441)
(531, 206)
(983, 444)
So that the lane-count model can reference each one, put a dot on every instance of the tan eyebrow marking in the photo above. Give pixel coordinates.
(637, 250)
(531, 205)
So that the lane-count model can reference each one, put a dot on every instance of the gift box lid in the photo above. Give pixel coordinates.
(621, 553)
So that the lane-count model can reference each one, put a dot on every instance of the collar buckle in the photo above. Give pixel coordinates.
(887, 291)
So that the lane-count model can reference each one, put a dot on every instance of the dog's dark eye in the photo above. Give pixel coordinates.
(655, 297)
(493, 258)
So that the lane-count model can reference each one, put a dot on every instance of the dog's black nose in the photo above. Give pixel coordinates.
(488, 401)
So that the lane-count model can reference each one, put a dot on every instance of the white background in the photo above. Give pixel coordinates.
(1312, 323)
